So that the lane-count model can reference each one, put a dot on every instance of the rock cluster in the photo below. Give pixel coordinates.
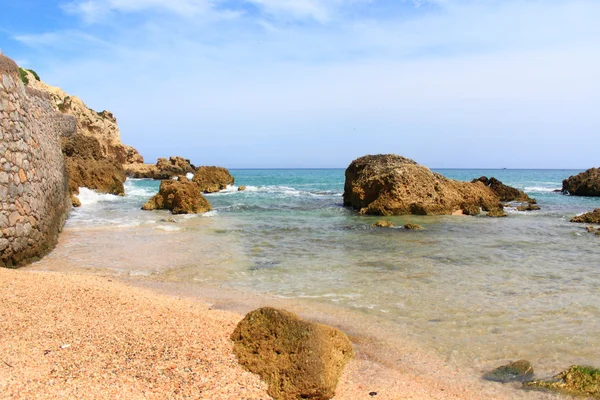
(592, 217)
(394, 185)
(163, 169)
(212, 179)
(180, 196)
(297, 359)
(576, 380)
(584, 184)
(33, 180)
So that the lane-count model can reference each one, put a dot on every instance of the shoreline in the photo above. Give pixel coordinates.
(418, 375)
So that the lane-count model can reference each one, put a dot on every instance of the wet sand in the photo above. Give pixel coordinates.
(74, 335)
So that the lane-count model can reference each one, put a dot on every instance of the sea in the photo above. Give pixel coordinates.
(477, 291)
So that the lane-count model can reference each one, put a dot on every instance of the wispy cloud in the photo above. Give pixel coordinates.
(269, 73)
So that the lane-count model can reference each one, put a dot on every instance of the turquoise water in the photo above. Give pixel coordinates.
(474, 289)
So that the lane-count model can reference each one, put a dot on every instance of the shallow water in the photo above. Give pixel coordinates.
(478, 291)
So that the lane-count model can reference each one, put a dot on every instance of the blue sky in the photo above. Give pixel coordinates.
(317, 83)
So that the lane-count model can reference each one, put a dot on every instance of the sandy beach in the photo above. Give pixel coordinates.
(67, 335)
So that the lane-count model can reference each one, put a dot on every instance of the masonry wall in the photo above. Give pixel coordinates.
(34, 198)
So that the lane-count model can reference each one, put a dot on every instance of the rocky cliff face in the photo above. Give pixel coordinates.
(100, 125)
(33, 179)
(388, 184)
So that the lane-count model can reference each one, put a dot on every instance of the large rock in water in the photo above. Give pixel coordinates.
(181, 197)
(393, 185)
(588, 218)
(89, 167)
(504, 192)
(577, 380)
(584, 184)
(298, 359)
(212, 179)
(163, 169)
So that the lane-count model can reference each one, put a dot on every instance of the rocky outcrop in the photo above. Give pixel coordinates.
(212, 179)
(529, 207)
(100, 125)
(413, 227)
(592, 217)
(577, 380)
(584, 184)
(163, 169)
(384, 224)
(394, 185)
(88, 167)
(297, 359)
(180, 196)
(504, 192)
(33, 180)
(517, 371)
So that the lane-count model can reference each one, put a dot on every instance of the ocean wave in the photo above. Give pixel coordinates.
(168, 228)
(541, 189)
(209, 214)
(88, 197)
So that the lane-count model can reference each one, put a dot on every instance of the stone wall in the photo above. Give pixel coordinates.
(34, 200)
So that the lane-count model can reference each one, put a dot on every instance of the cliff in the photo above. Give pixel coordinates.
(33, 178)
(100, 125)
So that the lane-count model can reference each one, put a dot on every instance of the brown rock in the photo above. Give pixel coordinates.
(529, 207)
(504, 192)
(470, 209)
(517, 371)
(297, 359)
(590, 229)
(384, 224)
(413, 227)
(241, 188)
(588, 218)
(179, 197)
(497, 213)
(88, 167)
(75, 201)
(584, 184)
(163, 169)
(577, 380)
(394, 185)
(212, 179)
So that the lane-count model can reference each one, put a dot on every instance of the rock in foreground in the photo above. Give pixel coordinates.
(592, 217)
(577, 380)
(584, 184)
(297, 359)
(212, 179)
(181, 197)
(393, 185)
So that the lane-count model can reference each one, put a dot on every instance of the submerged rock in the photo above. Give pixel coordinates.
(384, 224)
(576, 380)
(517, 371)
(590, 229)
(212, 179)
(297, 359)
(497, 213)
(588, 218)
(504, 192)
(529, 207)
(75, 201)
(413, 227)
(181, 197)
(388, 184)
(584, 184)
(470, 209)
(241, 188)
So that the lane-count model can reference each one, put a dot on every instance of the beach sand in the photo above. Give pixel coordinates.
(74, 336)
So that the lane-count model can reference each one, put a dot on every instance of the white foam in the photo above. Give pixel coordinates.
(209, 214)
(167, 228)
(189, 175)
(541, 189)
(88, 197)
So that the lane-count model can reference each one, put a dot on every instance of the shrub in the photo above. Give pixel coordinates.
(24, 77)
(35, 75)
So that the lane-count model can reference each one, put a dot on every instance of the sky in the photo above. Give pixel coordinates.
(318, 83)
